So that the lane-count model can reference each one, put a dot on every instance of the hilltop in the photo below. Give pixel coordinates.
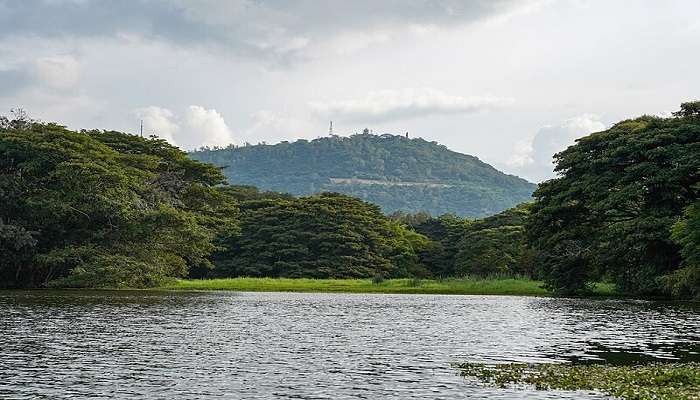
(394, 172)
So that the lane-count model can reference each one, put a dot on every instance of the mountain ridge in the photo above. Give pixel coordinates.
(393, 171)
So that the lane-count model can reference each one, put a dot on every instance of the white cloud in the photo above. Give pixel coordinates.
(58, 72)
(350, 42)
(268, 126)
(158, 121)
(282, 30)
(387, 105)
(205, 128)
(198, 127)
(533, 159)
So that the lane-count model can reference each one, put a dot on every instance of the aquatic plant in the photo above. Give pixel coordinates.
(658, 381)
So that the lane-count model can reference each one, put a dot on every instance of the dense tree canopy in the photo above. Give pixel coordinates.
(496, 245)
(610, 211)
(393, 172)
(685, 281)
(460, 247)
(97, 208)
(445, 233)
(323, 236)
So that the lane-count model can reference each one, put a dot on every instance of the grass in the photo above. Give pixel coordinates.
(475, 286)
(670, 381)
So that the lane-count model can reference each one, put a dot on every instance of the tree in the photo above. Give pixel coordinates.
(610, 210)
(322, 236)
(496, 245)
(689, 109)
(686, 232)
(445, 233)
(99, 208)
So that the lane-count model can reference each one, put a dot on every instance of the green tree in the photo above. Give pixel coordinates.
(686, 232)
(689, 109)
(322, 236)
(496, 245)
(445, 233)
(99, 208)
(610, 210)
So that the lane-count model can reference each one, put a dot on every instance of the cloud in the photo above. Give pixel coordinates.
(205, 128)
(388, 105)
(269, 126)
(13, 80)
(198, 126)
(158, 121)
(349, 42)
(57, 72)
(533, 159)
(280, 30)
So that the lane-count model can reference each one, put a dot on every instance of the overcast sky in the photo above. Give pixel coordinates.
(510, 82)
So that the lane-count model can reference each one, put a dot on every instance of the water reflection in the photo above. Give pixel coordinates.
(283, 345)
(622, 331)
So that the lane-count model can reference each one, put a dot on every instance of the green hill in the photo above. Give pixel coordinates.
(394, 172)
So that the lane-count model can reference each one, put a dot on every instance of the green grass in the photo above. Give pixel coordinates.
(670, 381)
(477, 286)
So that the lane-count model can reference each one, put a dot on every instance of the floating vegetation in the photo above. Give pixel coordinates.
(662, 381)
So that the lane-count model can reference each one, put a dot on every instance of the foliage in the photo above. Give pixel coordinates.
(460, 247)
(496, 244)
(323, 236)
(394, 172)
(610, 210)
(685, 282)
(639, 382)
(97, 208)
(689, 109)
(444, 232)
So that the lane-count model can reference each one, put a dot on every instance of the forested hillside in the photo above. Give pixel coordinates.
(393, 172)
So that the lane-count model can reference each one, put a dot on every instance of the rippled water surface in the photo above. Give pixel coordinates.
(168, 345)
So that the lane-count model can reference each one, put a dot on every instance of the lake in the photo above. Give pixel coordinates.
(212, 345)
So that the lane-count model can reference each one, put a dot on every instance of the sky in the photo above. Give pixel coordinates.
(511, 82)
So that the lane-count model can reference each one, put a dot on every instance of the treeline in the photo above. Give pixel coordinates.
(107, 209)
(331, 235)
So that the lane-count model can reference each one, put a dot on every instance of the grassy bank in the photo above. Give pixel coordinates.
(495, 286)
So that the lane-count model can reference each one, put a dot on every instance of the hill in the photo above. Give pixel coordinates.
(394, 172)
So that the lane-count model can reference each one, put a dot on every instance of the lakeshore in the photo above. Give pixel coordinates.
(456, 286)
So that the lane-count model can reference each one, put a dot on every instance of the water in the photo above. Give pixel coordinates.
(59, 345)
